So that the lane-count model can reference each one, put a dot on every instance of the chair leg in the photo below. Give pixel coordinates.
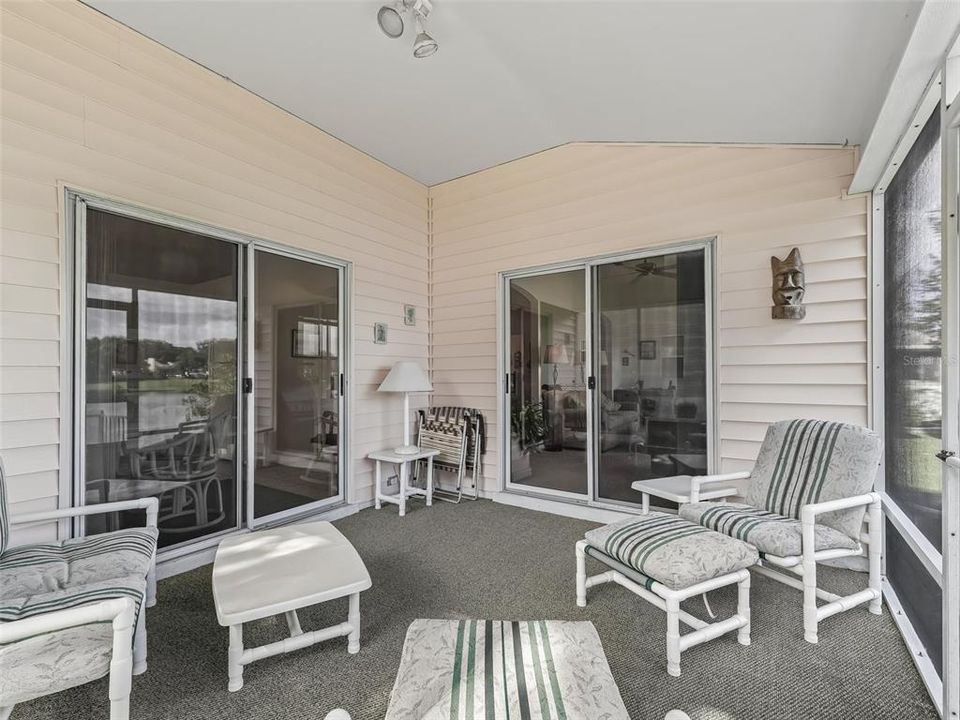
(743, 609)
(353, 617)
(140, 644)
(121, 667)
(673, 637)
(809, 565)
(581, 575)
(874, 551)
(234, 658)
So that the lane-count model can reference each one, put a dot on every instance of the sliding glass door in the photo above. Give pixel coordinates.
(652, 410)
(547, 376)
(608, 374)
(160, 321)
(297, 379)
(209, 374)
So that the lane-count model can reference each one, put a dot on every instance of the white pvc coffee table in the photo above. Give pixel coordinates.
(276, 571)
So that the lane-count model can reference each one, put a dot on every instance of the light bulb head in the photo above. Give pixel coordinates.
(423, 45)
(390, 21)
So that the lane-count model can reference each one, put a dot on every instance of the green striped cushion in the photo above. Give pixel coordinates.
(672, 550)
(23, 607)
(35, 569)
(769, 532)
(809, 461)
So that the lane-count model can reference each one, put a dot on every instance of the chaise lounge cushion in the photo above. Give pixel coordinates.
(768, 532)
(31, 571)
(671, 550)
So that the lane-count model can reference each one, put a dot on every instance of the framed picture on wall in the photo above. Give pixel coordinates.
(306, 340)
(648, 349)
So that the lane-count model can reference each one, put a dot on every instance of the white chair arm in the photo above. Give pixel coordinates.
(120, 611)
(150, 504)
(808, 513)
(699, 480)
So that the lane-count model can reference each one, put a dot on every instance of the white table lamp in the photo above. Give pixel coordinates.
(407, 377)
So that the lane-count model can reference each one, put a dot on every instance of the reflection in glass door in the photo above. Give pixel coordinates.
(651, 400)
(547, 376)
(297, 381)
(159, 316)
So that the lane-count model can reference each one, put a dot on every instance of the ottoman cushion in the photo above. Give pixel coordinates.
(673, 551)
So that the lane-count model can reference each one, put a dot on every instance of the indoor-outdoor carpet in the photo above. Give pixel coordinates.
(485, 560)
(495, 670)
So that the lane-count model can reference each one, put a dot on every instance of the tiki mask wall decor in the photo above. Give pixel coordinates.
(788, 287)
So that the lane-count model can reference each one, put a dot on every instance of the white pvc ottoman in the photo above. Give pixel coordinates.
(665, 560)
(276, 571)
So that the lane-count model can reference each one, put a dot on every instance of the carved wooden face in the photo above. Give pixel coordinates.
(788, 282)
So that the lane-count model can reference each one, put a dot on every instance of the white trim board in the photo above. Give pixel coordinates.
(933, 35)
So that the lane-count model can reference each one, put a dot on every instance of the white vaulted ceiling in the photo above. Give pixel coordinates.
(513, 78)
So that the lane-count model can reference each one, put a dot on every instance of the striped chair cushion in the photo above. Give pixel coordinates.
(75, 564)
(18, 608)
(809, 461)
(673, 551)
(768, 532)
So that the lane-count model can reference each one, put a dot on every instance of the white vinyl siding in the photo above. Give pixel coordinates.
(87, 103)
(587, 199)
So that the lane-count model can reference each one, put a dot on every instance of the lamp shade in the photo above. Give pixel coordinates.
(406, 376)
(556, 354)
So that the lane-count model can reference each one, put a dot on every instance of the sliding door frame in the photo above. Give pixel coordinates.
(77, 202)
(503, 407)
(250, 297)
(589, 266)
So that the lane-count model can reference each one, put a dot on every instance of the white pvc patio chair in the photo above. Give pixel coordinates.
(72, 611)
(805, 503)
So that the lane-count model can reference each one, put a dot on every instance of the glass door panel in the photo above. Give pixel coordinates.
(912, 377)
(547, 375)
(161, 322)
(651, 411)
(297, 384)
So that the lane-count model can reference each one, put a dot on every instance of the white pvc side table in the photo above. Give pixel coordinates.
(277, 571)
(676, 489)
(403, 462)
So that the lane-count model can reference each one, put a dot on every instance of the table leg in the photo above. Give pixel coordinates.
(235, 666)
(645, 503)
(293, 622)
(403, 489)
(376, 485)
(430, 481)
(353, 617)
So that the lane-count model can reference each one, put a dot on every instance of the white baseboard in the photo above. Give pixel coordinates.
(580, 511)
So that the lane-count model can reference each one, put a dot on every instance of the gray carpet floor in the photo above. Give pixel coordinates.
(484, 560)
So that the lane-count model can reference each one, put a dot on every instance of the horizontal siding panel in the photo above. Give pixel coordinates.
(29, 246)
(18, 380)
(28, 433)
(17, 352)
(854, 310)
(29, 326)
(836, 291)
(26, 299)
(31, 273)
(823, 353)
(35, 406)
(29, 460)
(31, 486)
(800, 393)
(795, 374)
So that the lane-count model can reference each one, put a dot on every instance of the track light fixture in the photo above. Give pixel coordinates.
(390, 18)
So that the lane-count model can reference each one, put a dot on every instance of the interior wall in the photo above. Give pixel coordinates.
(88, 103)
(584, 200)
